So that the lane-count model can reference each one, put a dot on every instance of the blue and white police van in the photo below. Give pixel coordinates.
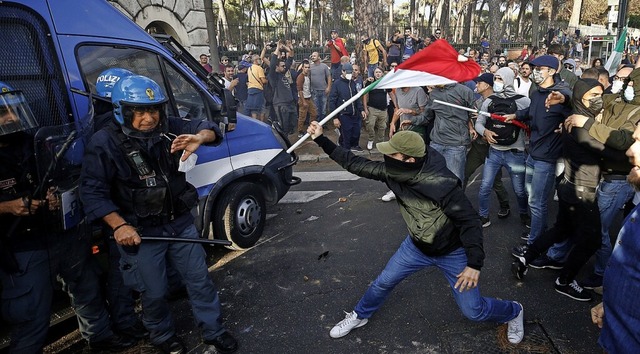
(53, 51)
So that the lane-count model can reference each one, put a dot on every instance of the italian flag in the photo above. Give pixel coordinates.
(438, 64)
(616, 57)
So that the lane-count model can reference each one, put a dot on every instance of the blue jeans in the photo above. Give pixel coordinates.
(27, 295)
(539, 182)
(408, 259)
(515, 165)
(456, 157)
(146, 272)
(320, 100)
(350, 126)
(371, 68)
(612, 195)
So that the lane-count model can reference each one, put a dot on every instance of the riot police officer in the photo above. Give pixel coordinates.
(34, 250)
(130, 181)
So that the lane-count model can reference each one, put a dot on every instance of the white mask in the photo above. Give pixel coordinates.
(629, 94)
(498, 87)
(616, 86)
(348, 76)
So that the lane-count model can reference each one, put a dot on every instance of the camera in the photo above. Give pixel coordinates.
(272, 44)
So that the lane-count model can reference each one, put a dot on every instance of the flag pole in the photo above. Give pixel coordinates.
(492, 115)
(335, 112)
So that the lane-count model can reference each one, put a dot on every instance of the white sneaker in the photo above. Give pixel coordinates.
(345, 326)
(389, 196)
(515, 327)
(370, 145)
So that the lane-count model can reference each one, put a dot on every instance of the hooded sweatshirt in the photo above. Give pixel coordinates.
(507, 76)
(581, 152)
(619, 119)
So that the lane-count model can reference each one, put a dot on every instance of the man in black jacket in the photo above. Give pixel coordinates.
(444, 230)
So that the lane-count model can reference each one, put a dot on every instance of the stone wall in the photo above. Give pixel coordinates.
(182, 19)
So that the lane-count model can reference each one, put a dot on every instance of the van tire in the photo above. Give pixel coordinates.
(240, 215)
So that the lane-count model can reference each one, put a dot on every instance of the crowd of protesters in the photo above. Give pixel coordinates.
(582, 165)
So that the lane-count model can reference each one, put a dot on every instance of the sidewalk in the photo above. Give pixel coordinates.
(309, 151)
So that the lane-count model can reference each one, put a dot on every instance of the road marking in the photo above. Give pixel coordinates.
(324, 176)
(302, 196)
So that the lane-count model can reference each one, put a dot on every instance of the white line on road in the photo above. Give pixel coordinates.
(302, 196)
(323, 176)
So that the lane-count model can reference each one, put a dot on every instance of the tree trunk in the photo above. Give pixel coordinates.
(365, 21)
(444, 18)
(494, 26)
(211, 32)
(311, 20)
(285, 18)
(412, 12)
(223, 18)
(523, 8)
(535, 23)
(574, 21)
(477, 19)
(466, 26)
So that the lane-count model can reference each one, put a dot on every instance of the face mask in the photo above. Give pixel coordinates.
(616, 86)
(537, 77)
(629, 94)
(498, 87)
(595, 105)
(348, 76)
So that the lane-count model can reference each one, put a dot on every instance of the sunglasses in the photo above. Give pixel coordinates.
(570, 67)
(437, 32)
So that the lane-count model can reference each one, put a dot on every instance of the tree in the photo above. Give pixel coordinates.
(365, 20)
(494, 26)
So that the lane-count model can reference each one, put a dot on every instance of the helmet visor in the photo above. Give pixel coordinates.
(15, 114)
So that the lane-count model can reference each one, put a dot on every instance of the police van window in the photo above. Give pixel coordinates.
(188, 99)
(186, 102)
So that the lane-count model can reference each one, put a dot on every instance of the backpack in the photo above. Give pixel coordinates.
(507, 133)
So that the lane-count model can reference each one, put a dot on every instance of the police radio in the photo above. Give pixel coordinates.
(142, 168)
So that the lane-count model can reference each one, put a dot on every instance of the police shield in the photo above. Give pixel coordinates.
(59, 151)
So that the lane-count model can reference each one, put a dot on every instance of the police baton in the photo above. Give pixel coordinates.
(205, 241)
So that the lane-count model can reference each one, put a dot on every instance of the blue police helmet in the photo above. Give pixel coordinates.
(108, 78)
(135, 90)
(15, 114)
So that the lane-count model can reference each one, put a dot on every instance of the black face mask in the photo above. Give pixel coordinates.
(402, 171)
(595, 105)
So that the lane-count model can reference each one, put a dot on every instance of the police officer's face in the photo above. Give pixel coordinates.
(146, 118)
(7, 115)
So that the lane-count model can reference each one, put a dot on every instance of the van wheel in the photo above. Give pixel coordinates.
(240, 215)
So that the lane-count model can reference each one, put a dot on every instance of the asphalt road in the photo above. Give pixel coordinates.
(325, 243)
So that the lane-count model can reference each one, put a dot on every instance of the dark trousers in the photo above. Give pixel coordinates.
(578, 219)
(27, 295)
(475, 158)
(350, 126)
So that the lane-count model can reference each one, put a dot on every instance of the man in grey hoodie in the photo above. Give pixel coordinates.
(452, 128)
(502, 152)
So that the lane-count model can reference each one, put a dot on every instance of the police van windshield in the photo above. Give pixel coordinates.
(186, 100)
